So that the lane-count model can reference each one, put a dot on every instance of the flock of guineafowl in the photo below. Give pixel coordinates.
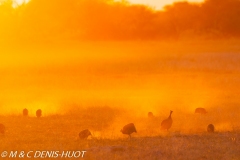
(127, 129)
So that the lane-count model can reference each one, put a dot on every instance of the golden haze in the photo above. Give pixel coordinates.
(102, 64)
(106, 53)
(130, 75)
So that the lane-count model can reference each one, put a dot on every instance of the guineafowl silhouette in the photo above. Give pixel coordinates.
(150, 115)
(25, 112)
(167, 123)
(210, 128)
(129, 129)
(39, 113)
(200, 110)
(84, 134)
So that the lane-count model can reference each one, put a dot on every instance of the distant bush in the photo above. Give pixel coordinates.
(111, 20)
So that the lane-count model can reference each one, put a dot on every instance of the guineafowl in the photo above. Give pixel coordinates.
(210, 128)
(39, 113)
(84, 134)
(200, 110)
(129, 129)
(150, 115)
(167, 123)
(25, 112)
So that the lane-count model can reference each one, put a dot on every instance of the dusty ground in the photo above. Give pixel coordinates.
(60, 133)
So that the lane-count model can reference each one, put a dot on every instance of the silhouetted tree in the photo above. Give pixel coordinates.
(112, 20)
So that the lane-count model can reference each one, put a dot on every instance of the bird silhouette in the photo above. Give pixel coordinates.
(2, 128)
(25, 112)
(39, 113)
(150, 115)
(210, 128)
(84, 134)
(200, 110)
(167, 123)
(129, 129)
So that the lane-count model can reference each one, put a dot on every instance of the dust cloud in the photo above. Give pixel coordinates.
(132, 78)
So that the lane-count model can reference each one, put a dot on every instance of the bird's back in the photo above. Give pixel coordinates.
(200, 110)
(150, 115)
(84, 134)
(129, 129)
(167, 123)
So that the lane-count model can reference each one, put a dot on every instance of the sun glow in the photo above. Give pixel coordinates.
(19, 2)
(159, 4)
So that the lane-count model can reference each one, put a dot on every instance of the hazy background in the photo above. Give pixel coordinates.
(146, 75)
(64, 56)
